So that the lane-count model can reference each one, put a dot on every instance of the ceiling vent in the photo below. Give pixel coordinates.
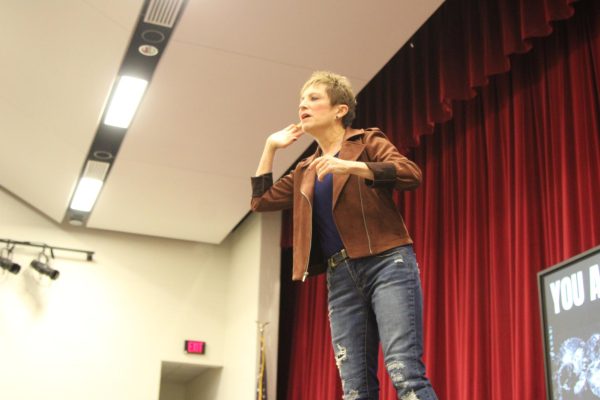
(163, 12)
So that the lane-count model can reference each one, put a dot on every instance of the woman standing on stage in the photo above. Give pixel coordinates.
(346, 223)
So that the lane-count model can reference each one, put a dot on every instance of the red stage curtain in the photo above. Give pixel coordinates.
(459, 47)
(511, 186)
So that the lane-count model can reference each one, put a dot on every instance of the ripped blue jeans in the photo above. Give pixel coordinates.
(378, 298)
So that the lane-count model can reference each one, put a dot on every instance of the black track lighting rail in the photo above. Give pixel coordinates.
(11, 243)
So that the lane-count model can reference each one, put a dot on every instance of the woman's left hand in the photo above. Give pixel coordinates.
(330, 165)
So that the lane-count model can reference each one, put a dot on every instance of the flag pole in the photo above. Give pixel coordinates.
(261, 381)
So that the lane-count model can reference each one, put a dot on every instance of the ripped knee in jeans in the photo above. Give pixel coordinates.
(340, 355)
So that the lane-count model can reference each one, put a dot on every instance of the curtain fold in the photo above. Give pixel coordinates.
(454, 52)
(511, 186)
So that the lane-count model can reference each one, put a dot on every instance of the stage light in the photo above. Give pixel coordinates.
(125, 101)
(43, 267)
(6, 262)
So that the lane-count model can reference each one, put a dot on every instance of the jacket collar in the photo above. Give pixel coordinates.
(350, 134)
(350, 150)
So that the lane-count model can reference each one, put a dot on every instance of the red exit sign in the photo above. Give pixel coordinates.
(195, 347)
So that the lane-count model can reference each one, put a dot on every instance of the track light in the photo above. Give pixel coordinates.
(42, 263)
(7, 263)
(43, 267)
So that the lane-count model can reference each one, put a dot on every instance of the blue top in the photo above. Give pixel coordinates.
(327, 232)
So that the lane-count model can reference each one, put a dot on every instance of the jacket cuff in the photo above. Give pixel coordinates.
(261, 183)
(384, 174)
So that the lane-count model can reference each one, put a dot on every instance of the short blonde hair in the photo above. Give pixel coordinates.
(338, 89)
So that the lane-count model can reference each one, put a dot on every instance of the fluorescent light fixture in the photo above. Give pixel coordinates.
(89, 186)
(86, 193)
(125, 101)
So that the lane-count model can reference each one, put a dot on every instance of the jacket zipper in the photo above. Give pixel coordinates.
(362, 208)
(309, 242)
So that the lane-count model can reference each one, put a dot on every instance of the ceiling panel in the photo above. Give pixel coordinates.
(229, 76)
(58, 63)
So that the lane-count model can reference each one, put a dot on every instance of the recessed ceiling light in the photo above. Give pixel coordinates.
(148, 50)
(89, 186)
(86, 193)
(125, 101)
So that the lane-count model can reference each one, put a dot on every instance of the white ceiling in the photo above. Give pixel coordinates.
(229, 76)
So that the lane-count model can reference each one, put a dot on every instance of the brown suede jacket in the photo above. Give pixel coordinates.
(364, 210)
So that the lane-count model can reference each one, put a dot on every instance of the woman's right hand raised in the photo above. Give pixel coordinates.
(275, 141)
(285, 137)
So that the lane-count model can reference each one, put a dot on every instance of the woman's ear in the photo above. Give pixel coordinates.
(342, 109)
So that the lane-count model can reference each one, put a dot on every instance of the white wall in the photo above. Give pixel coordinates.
(255, 265)
(269, 293)
(101, 330)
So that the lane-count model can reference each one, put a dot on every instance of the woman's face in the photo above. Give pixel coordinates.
(315, 109)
